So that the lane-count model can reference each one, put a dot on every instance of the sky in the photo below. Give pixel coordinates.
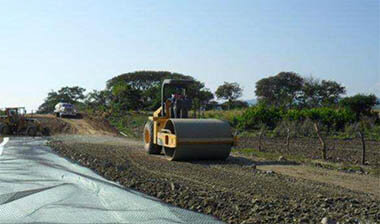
(45, 45)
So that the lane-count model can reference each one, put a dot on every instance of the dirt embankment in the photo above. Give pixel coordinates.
(85, 125)
(235, 191)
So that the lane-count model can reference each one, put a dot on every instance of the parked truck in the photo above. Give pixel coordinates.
(65, 110)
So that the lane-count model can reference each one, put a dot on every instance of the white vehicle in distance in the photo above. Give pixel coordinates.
(65, 110)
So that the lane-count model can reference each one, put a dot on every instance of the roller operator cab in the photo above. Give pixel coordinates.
(182, 138)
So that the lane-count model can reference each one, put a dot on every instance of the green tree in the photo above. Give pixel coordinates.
(316, 93)
(205, 96)
(230, 92)
(360, 104)
(73, 95)
(310, 94)
(144, 80)
(99, 100)
(280, 90)
(148, 83)
(236, 104)
(125, 98)
(330, 93)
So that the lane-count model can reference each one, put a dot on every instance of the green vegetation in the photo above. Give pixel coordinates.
(253, 118)
(230, 92)
(143, 89)
(289, 105)
(360, 104)
(230, 115)
(71, 95)
(131, 123)
(290, 90)
(136, 91)
(280, 90)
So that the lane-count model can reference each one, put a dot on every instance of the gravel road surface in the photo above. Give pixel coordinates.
(235, 191)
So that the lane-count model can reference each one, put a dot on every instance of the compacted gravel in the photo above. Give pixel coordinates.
(233, 191)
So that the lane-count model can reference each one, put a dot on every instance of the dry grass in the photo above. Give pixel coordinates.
(229, 115)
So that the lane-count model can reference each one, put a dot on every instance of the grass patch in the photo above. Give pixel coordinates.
(131, 123)
(229, 115)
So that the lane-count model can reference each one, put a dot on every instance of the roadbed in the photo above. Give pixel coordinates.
(234, 191)
(38, 186)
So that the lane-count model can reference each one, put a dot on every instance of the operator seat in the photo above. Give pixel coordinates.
(181, 108)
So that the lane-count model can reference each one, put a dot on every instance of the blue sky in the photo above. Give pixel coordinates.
(48, 44)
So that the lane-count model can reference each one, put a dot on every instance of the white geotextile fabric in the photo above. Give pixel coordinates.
(38, 186)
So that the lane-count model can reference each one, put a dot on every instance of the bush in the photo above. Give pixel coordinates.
(257, 116)
(330, 119)
(360, 104)
(230, 116)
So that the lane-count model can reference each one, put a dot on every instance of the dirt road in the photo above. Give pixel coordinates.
(352, 181)
(85, 125)
(233, 191)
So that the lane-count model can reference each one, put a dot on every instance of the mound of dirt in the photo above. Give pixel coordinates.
(84, 126)
(99, 123)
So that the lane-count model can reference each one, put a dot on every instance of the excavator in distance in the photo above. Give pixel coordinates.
(182, 138)
(14, 122)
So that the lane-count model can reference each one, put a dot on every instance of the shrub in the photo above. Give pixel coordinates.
(329, 117)
(258, 116)
(230, 116)
(360, 104)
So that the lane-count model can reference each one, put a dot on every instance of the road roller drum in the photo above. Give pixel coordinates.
(199, 139)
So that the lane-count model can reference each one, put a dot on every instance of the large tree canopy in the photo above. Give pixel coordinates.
(71, 95)
(147, 84)
(288, 89)
(145, 80)
(360, 104)
(279, 90)
(229, 91)
(316, 93)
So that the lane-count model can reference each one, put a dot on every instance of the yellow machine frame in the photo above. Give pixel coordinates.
(165, 138)
(160, 135)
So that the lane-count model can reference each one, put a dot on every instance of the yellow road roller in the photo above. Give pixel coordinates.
(182, 138)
